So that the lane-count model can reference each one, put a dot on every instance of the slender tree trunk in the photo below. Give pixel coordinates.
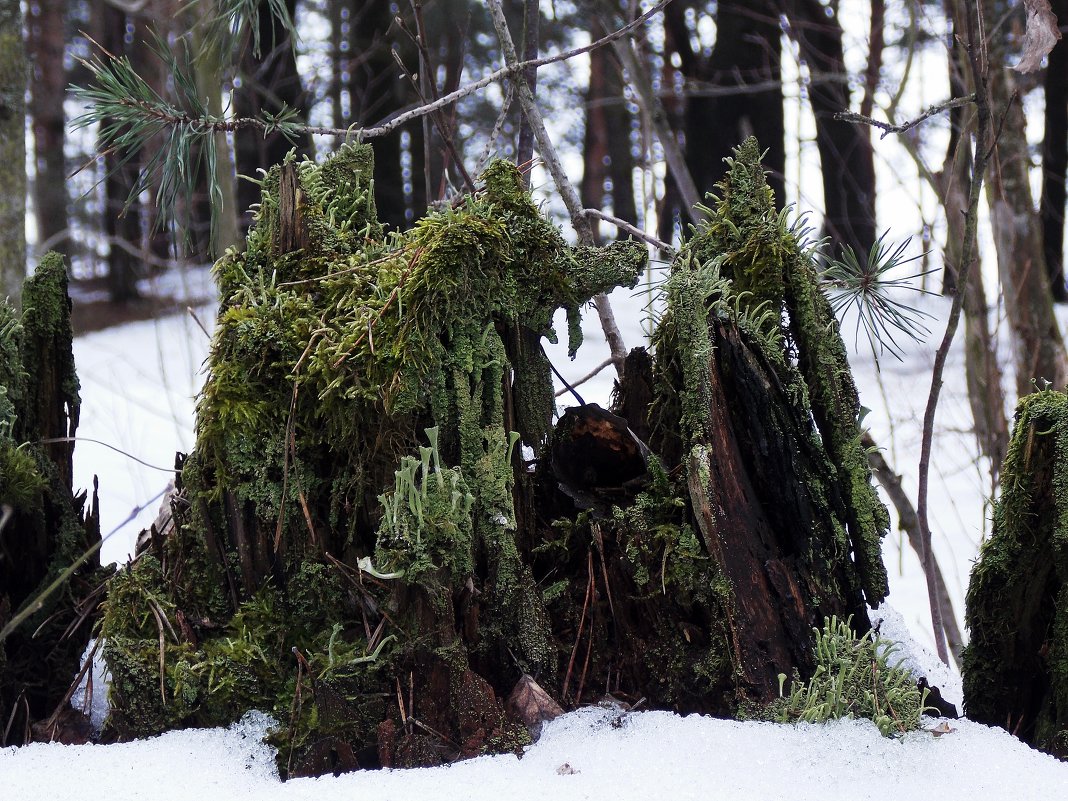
(845, 149)
(120, 221)
(12, 151)
(982, 373)
(1039, 348)
(747, 54)
(606, 151)
(1055, 157)
(377, 89)
(45, 37)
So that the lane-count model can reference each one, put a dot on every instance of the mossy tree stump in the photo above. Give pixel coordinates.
(1015, 666)
(365, 547)
(45, 527)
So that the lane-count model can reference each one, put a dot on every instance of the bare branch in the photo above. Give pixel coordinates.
(563, 184)
(977, 59)
(631, 229)
(888, 128)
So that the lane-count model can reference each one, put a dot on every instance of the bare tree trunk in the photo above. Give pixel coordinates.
(845, 149)
(268, 81)
(747, 54)
(1039, 348)
(982, 373)
(606, 151)
(46, 45)
(120, 221)
(1055, 158)
(12, 151)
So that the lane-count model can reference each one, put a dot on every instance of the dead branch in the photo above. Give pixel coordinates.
(888, 128)
(563, 184)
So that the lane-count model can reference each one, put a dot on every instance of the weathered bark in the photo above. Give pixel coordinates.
(45, 37)
(1016, 664)
(12, 151)
(46, 527)
(1055, 157)
(1038, 347)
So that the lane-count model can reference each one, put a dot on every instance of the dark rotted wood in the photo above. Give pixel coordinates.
(42, 535)
(634, 396)
(769, 533)
(596, 458)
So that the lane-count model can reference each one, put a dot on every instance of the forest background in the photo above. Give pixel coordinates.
(136, 178)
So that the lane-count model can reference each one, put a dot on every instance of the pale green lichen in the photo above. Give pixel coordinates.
(854, 678)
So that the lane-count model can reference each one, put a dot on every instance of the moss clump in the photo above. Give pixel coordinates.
(338, 344)
(1015, 666)
(744, 265)
(853, 679)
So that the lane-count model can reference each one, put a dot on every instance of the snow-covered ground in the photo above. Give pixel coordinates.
(138, 386)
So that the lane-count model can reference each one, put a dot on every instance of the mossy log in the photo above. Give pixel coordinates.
(365, 546)
(1015, 666)
(44, 527)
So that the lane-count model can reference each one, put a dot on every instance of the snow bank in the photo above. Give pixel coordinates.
(593, 753)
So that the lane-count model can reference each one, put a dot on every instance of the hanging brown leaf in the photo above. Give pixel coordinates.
(1041, 35)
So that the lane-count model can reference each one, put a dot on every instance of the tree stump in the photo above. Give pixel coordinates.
(364, 547)
(1015, 667)
(44, 527)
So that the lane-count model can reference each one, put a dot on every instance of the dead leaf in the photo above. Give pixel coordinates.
(566, 769)
(940, 729)
(1041, 35)
(532, 705)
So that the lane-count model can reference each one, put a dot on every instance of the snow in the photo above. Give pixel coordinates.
(139, 382)
(594, 753)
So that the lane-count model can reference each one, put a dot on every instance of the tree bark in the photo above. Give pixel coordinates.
(47, 91)
(1037, 343)
(1055, 157)
(12, 151)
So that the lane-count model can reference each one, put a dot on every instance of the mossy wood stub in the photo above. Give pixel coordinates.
(365, 548)
(45, 526)
(1015, 666)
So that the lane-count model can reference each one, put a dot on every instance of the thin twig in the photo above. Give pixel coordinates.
(571, 387)
(631, 229)
(982, 131)
(563, 184)
(888, 128)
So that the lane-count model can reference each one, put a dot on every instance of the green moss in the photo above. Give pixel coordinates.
(326, 364)
(21, 483)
